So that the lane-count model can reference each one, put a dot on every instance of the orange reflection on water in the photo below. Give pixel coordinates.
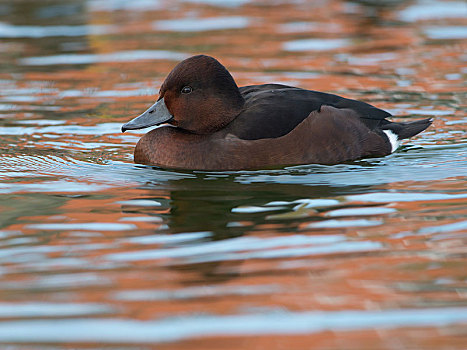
(81, 224)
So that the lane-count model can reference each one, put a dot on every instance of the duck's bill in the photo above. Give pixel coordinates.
(154, 115)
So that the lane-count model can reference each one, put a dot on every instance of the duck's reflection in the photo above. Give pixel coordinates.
(206, 202)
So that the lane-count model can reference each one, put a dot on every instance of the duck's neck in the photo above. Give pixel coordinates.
(230, 113)
(221, 113)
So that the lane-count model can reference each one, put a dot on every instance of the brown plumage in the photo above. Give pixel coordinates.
(214, 125)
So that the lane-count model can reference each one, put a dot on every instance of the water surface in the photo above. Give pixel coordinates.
(97, 252)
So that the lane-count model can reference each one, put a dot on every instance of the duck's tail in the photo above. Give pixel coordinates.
(399, 131)
(406, 130)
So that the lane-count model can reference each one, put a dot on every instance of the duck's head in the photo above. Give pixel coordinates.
(199, 95)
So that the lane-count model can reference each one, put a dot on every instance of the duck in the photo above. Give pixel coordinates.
(206, 122)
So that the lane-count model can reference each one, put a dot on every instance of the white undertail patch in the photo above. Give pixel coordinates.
(393, 140)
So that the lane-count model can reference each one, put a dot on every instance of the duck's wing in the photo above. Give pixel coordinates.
(273, 110)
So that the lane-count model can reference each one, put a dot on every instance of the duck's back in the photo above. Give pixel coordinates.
(273, 110)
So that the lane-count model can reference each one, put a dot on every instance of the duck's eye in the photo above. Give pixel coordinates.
(187, 90)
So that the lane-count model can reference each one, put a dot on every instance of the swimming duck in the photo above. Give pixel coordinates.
(212, 124)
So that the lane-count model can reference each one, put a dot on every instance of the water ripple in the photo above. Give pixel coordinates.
(173, 329)
(15, 31)
(121, 56)
(42, 309)
(315, 44)
(252, 248)
(201, 24)
(195, 292)
(424, 10)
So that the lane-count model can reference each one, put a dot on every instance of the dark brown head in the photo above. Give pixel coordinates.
(199, 95)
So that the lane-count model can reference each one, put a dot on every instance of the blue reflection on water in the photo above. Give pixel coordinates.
(179, 328)
(120, 56)
(201, 24)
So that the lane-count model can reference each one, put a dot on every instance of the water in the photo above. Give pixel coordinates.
(97, 252)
